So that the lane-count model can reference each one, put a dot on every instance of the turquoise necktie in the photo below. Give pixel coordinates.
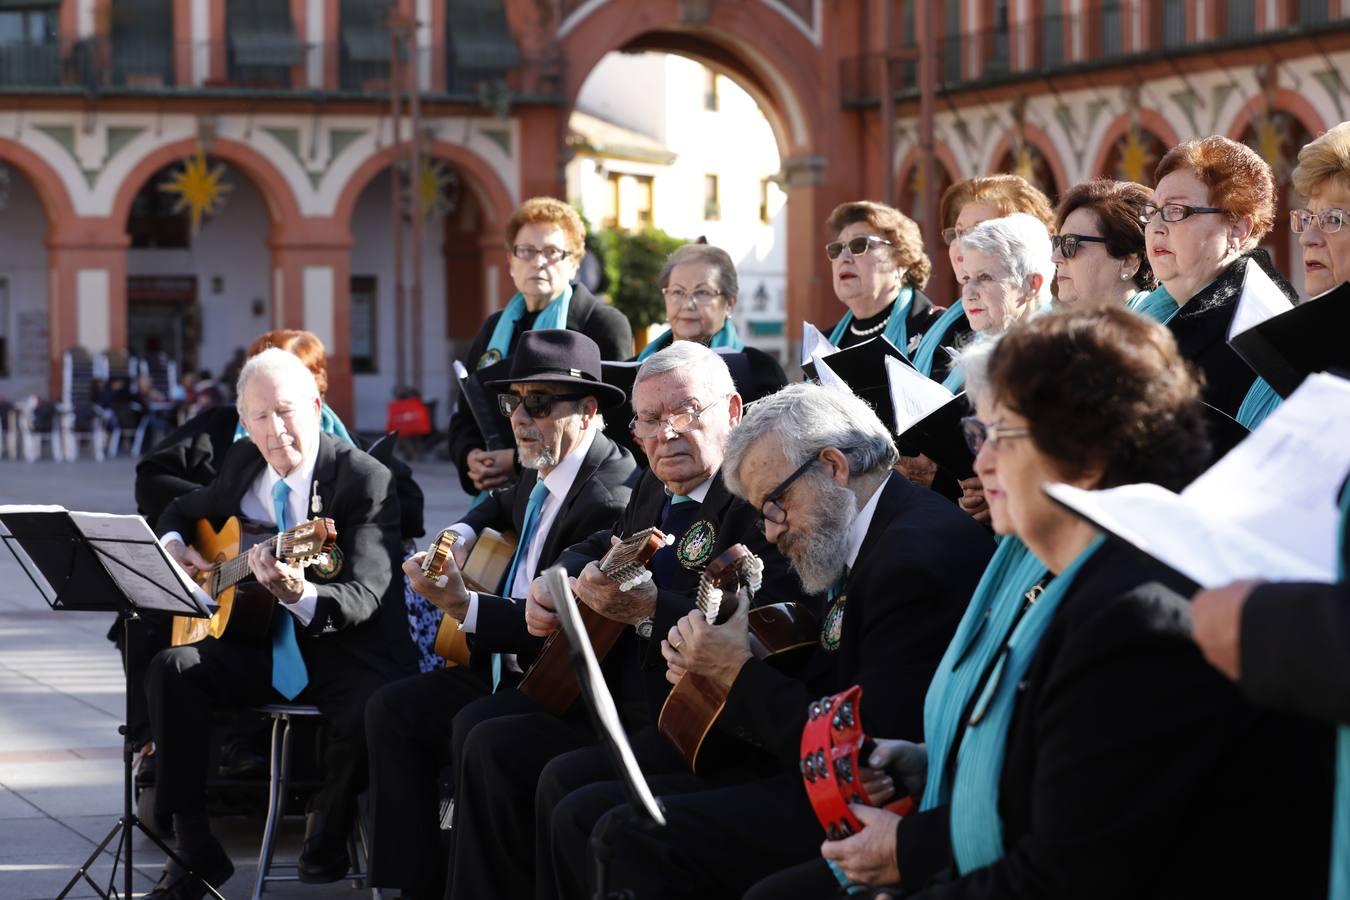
(536, 503)
(289, 675)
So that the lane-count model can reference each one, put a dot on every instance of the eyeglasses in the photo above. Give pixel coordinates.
(701, 296)
(770, 510)
(978, 433)
(1173, 212)
(951, 234)
(679, 423)
(537, 405)
(856, 246)
(1328, 221)
(1067, 244)
(528, 252)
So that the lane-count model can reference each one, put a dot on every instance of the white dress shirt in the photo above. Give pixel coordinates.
(857, 532)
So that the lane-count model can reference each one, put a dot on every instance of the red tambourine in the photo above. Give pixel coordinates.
(834, 748)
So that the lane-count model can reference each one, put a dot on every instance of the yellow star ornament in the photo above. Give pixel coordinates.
(201, 191)
(1135, 159)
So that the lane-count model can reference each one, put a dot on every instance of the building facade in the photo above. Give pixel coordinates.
(104, 103)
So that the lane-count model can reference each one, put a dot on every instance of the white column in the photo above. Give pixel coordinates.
(424, 44)
(201, 41)
(84, 18)
(318, 282)
(278, 298)
(94, 332)
(313, 36)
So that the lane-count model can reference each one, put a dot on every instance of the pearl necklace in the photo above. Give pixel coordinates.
(867, 332)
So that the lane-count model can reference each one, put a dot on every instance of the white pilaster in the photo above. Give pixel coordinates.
(91, 303)
(313, 37)
(318, 281)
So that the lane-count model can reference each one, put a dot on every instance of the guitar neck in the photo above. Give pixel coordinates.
(229, 573)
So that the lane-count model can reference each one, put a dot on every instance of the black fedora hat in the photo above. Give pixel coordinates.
(559, 356)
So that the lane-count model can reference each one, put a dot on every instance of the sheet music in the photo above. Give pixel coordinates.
(913, 395)
(814, 343)
(1267, 510)
(827, 377)
(1260, 300)
(131, 541)
(597, 693)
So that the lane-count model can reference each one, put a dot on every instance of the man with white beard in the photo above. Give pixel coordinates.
(576, 482)
(897, 563)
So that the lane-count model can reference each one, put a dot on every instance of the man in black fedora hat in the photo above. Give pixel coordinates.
(575, 482)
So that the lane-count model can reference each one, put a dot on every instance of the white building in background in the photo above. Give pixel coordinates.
(662, 140)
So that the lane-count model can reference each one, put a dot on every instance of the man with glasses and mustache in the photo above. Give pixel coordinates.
(545, 244)
(576, 481)
(515, 760)
(897, 564)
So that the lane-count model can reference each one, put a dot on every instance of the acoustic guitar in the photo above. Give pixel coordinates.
(483, 571)
(550, 681)
(693, 705)
(245, 612)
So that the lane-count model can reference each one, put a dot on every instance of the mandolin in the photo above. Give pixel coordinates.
(245, 611)
(550, 680)
(451, 643)
(483, 571)
(693, 705)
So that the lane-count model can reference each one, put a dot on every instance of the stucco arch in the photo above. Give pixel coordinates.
(1284, 100)
(945, 157)
(51, 190)
(1033, 135)
(1149, 120)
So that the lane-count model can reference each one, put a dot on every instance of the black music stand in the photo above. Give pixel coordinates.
(647, 812)
(108, 563)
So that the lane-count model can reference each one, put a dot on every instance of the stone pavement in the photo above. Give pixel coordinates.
(61, 701)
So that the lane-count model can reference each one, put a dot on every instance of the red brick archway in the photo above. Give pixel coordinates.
(1042, 142)
(1149, 120)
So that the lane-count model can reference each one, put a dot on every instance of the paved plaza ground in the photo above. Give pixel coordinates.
(61, 701)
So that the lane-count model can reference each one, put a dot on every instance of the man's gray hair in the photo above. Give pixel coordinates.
(1021, 242)
(709, 255)
(705, 363)
(806, 418)
(282, 365)
(974, 361)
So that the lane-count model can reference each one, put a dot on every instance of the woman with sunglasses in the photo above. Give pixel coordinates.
(1323, 177)
(1078, 745)
(879, 269)
(1214, 202)
(1099, 253)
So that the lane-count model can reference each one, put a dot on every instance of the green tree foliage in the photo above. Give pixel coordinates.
(632, 262)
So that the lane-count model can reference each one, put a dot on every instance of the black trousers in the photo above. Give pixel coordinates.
(812, 880)
(408, 729)
(717, 843)
(186, 685)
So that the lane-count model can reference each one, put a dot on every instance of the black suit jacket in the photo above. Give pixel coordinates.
(909, 586)
(1134, 769)
(359, 611)
(735, 522)
(1296, 649)
(597, 498)
(603, 324)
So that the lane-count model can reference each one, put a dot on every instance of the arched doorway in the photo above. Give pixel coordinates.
(1027, 160)
(941, 287)
(1134, 156)
(24, 314)
(1278, 136)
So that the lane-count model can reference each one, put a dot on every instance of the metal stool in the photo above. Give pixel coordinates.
(358, 843)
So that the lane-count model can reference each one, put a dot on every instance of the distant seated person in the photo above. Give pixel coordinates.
(545, 243)
(575, 483)
(338, 629)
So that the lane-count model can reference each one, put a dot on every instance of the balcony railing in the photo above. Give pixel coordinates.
(99, 66)
(1117, 30)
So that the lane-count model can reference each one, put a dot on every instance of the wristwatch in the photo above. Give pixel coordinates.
(644, 628)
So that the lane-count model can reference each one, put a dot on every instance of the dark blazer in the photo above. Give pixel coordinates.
(909, 586)
(1201, 330)
(1296, 649)
(360, 609)
(1134, 769)
(603, 324)
(597, 498)
(735, 522)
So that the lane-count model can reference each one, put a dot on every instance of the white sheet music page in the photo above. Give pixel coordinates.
(913, 394)
(130, 540)
(1260, 300)
(827, 376)
(1267, 510)
(814, 343)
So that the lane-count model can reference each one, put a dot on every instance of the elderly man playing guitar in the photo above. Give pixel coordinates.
(335, 632)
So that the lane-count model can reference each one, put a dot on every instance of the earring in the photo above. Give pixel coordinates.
(1124, 276)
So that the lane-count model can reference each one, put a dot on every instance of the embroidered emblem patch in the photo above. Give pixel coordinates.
(328, 564)
(696, 547)
(489, 358)
(834, 624)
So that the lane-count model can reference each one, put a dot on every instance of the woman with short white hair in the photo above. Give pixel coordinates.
(1009, 271)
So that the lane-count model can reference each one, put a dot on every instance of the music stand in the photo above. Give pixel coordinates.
(605, 718)
(108, 563)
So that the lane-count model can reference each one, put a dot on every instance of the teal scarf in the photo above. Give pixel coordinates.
(552, 316)
(1340, 829)
(727, 336)
(932, 339)
(977, 830)
(1157, 305)
(897, 324)
(1261, 401)
(1012, 572)
(328, 423)
(955, 380)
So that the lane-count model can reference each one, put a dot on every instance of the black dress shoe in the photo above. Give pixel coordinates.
(175, 883)
(322, 863)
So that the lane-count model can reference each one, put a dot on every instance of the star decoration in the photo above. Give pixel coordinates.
(438, 188)
(201, 191)
(1135, 158)
(1269, 142)
(1025, 164)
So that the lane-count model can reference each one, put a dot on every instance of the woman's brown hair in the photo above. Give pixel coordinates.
(1116, 206)
(893, 225)
(1239, 181)
(1006, 193)
(304, 344)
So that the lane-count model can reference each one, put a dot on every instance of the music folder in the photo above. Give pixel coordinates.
(1286, 344)
(483, 406)
(1268, 510)
(863, 368)
(597, 695)
(78, 560)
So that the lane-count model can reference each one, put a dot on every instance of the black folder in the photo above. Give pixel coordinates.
(939, 437)
(863, 369)
(482, 404)
(1309, 338)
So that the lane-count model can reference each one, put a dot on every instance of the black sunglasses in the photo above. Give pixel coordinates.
(1067, 244)
(537, 405)
(856, 246)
